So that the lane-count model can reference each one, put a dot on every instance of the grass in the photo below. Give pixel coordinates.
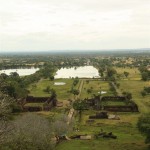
(135, 87)
(130, 118)
(62, 91)
(134, 73)
(113, 103)
(96, 87)
(102, 144)
(34, 104)
(128, 136)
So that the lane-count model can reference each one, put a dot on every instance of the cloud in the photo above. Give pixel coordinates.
(74, 24)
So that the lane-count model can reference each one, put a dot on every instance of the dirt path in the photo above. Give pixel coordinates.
(117, 90)
(80, 89)
(71, 111)
(70, 115)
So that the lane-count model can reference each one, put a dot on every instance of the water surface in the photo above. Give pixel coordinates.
(80, 72)
(21, 72)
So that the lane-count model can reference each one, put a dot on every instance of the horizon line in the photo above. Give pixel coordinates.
(75, 50)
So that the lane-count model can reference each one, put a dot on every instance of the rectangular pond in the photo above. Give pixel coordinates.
(80, 72)
(21, 72)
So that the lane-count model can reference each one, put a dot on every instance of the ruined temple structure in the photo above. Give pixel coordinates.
(47, 103)
(97, 104)
(101, 115)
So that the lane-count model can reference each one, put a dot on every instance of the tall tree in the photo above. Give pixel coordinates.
(144, 126)
(145, 76)
(5, 111)
(31, 132)
(126, 74)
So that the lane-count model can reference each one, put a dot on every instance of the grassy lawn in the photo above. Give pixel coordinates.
(103, 144)
(34, 104)
(134, 73)
(125, 129)
(96, 86)
(62, 91)
(130, 118)
(53, 114)
(113, 103)
(135, 87)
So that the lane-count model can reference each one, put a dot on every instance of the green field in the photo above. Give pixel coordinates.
(134, 73)
(96, 86)
(34, 104)
(128, 136)
(62, 91)
(135, 87)
(113, 103)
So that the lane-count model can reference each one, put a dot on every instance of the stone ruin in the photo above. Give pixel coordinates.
(104, 115)
(96, 103)
(101, 115)
(47, 103)
(106, 135)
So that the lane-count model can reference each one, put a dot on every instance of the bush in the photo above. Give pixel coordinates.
(16, 108)
(144, 126)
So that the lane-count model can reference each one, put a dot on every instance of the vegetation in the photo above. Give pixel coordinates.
(122, 74)
(135, 87)
(145, 73)
(144, 126)
(92, 87)
(62, 91)
(30, 131)
(126, 74)
(5, 113)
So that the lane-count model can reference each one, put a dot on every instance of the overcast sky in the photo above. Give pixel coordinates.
(38, 25)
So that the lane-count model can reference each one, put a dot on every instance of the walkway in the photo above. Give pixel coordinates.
(119, 93)
(80, 89)
(71, 112)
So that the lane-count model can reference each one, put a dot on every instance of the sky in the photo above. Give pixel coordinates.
(48, 25)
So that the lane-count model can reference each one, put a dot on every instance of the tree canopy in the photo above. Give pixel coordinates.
(144, 126)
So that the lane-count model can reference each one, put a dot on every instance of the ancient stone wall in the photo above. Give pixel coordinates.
(96, 103)
(48, 103)
(32, 108)
(121, 108)
(31, 99)
(113, 98)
